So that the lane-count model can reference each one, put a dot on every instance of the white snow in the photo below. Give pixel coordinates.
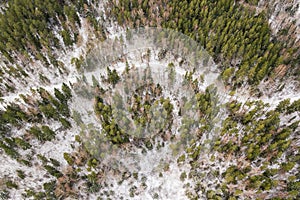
(150, 165)
(35, 175)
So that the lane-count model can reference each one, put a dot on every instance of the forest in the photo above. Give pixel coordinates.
(238, 38)
(38, 31)
(90, 110)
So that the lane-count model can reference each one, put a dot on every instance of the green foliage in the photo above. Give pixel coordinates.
(78, 62)
(92, 163)
(11, 184)
(183, 176)
(267, 184)
(64, 109)
(181, 159)
(294, 107)
(148, 144)
(17, 22)
(227, 73)
(39, 195)
(283, 106)
(256, 134)
(111, 129)
(54, 107)
(27, 27)
(112, 76)
(53, 171)
(9, 150)
(4, 194)
(21, 174)
(25, 162)
(59, 96)
(49, 111)
(49, 189)
(207, 106)
(252, 2)
(65, 123)
(43, 134)
(92, 184)
(212, 195)
(78, 139)
(234, 107)
(67, 37)
(69, 158)
(294, 186)
(233, 174)
(255, 131)
(13, 115)
(70, 12)
(43, 159)
(22, 144)
(67, 91)
(229, 31)
(28, 193)
(55, 162)
(287, 166)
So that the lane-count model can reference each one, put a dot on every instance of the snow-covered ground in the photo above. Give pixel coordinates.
(283, 13)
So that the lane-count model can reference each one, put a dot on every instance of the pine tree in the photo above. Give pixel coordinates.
(67, 91)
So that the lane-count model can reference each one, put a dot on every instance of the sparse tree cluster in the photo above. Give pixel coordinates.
(37, 109)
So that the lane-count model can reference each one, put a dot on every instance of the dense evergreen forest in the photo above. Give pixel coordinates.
(236, 36)
(39, 31)
(31, 29)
